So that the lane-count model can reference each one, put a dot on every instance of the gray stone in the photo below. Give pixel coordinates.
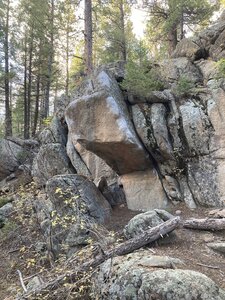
(77, 189)
(76, 159)
(6, 210)
(188, 48)
(34, 283)
(172, 70)
(141, 223)
(196, 127)
(164, 96)
(208, 42)
(11, 157)
(96, 166)
(77, 209)
(151, 126)
(163, 214)
(202, 179)
(55, 133)
(51, 160)
(113, 193)
(138, 276)
(160, 131)
(111, 137)
(143, 190)
(217, 246)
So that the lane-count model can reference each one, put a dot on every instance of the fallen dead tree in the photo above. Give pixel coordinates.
(126, 247)
(205, 224)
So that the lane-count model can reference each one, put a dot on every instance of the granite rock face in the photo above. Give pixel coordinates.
(140, 276)
(165, 147)
(106, 129)
(51, 160)
(165, 151)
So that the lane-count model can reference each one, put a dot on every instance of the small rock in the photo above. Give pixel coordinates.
(178, 212)
(163, 214)
(219, 246)
(34, 283)
(208, 237)
(217, 213)
(145, 221)
(140, 223)
(40, 246)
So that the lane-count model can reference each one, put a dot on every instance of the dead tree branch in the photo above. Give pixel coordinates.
(126, 247)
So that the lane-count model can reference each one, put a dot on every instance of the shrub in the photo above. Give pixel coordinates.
(4, 200)
(184, 85)
(141, 79)
(221, 68)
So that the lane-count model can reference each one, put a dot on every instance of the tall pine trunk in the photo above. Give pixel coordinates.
(172, 32)
(172, 39)
(67, 61)
(26, 126)
(50, 61)
(8, 112)
(88, 36)
(123, 35)
(37, 101)
(29, 85)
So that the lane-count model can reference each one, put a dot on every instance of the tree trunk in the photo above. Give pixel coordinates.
(50, 61)
(37, 100)
(172, 31)
(29, 84)
(205, 224)
(182, 21)
(8, 112)
(88, 35)
(26, 127)
(67, 62)
(129, 246)
(123, 35)
(172, 39)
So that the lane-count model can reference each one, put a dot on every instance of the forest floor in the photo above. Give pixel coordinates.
(16, 247)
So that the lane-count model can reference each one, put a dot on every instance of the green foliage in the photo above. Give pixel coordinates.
(4, 200)
(175, 17)
(221, 68)
(114, 37)
(184, 85)
(2, 128)
(8, 227)
(141, 79)
(47, 121)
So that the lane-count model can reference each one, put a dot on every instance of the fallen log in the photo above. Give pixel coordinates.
(126, 247)
(205, 224)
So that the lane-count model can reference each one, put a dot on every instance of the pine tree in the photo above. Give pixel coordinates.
(5, 38)
(88, 48)
(113, 32)
(168, 19)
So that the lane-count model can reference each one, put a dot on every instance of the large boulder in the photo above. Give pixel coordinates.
(197, 128)
(171, 70)
(142, 276)
(13, 153)
(105, 128)
(208, 42)
(142, 222)
(77, 209)
(151, 126)
(95, 165)
(143, 190)
(51, 160)
(55, 133)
